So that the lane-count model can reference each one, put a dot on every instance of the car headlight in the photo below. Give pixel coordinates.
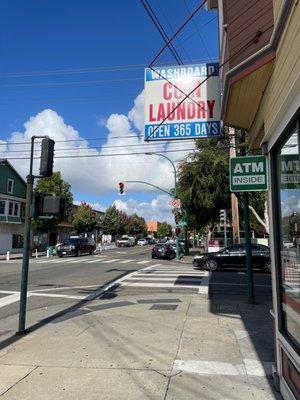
(197, 257)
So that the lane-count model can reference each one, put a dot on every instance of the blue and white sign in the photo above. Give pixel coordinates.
(169, 114)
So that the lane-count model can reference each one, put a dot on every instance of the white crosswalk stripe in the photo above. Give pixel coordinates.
(125, 261)
(168, 276)
(143, 262)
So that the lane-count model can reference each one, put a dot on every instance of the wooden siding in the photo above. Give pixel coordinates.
(284, 79)
(19, 187)
(244, 19)
(276, 5)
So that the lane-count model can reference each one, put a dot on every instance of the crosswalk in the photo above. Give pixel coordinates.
(169, 277)
(103, 259)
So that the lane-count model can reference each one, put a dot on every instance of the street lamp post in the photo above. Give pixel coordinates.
(175, 192)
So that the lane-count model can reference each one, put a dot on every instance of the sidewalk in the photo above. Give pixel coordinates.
(140, 345)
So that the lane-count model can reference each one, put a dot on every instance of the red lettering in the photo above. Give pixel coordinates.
(170, 111)
(191, 111)
(201, 112)
(151, 117)
(181, 112)
(211, 106)
(161, 112)
(166, 91)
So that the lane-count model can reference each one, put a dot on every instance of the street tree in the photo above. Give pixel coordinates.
(53, 185)
(136, 225)
(84, 219)
(203, 183)
(164, 229)
(114, 221)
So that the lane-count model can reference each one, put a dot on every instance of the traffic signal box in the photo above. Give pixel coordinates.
(48, 206)
(47, 155)
(121, 187)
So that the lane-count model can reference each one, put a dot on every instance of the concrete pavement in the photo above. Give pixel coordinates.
(138, 342)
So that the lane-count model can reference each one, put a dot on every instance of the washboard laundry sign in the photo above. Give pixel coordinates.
(169, 114)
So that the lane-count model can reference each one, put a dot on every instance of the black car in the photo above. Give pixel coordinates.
(163, 250)
(234, 256)
(76, 247)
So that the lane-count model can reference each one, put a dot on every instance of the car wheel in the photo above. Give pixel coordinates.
(78, 254)
(60, 255)
(211, 265)
(91, 252)
(153, 256)
(195, 264)
(267, 267)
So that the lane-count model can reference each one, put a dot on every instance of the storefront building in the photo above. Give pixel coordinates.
(260, 54)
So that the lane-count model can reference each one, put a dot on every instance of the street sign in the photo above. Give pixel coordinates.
(169, 114)
(182, 222)
(248, 174)
(176, 203)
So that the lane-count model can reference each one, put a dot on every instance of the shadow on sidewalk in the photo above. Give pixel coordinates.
(252, 323)
(75, 308)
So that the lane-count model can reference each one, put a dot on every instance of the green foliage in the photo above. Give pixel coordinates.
(84, 219)
(57, 186)
(203, 185)
(164, 229)
(114, 222)
(136, 225)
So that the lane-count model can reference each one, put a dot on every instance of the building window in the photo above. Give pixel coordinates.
(2, 207)
(10, 185)
(288, 184)
(17, 241)
(10, 208)
(16, 209)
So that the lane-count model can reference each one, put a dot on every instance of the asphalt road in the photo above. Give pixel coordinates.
(59, 285)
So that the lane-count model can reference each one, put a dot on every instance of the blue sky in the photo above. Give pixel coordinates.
(39, 37)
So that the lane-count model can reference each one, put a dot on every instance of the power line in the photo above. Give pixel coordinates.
(198, 32)
(161, 30)
(178, 30)
(76, 83)
(98, 155)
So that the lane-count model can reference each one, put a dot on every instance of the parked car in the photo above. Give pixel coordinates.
(163, 250)
(125, 241)
(181, 248)
(142, 242)
(76, 247)
(234, 256)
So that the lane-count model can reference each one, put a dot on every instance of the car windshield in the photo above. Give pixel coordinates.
(73, 241)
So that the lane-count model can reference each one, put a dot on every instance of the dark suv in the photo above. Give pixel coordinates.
(76, 247)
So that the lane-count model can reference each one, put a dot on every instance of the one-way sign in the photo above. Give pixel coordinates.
(248, 174)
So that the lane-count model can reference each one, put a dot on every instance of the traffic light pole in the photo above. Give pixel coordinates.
(175, 193)
(27, 243)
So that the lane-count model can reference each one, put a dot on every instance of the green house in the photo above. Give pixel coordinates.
(12, 206)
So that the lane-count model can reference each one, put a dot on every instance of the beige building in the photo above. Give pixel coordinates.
(260, 59)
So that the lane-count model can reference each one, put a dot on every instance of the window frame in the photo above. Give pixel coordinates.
(4, 212)
(10, 180)
(294, 124)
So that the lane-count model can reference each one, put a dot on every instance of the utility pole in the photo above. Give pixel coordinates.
(234, 201)
(250, 286)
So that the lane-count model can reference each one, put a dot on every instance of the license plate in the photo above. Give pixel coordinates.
(64, 252)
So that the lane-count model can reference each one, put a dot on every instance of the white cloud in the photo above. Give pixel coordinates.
(100, 175)
(95, 206)
(158, 209)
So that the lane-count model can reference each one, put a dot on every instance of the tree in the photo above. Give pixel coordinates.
(136, 225)
(114, 221)
(84, 219)
(203, 183)
(164, 229)
(57, 186)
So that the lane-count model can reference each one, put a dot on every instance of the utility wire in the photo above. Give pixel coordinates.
(178, 30)
(161, 30)
(99, 155)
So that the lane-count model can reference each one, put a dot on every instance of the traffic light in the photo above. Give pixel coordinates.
(121, 187)
(222, 215)
(47, 154)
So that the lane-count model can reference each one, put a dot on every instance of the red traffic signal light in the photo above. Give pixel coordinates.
(121, 187)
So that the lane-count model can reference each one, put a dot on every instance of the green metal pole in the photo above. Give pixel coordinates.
(250, 286)
(27, 246)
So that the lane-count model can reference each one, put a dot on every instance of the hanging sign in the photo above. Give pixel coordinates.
(248, 174)
(169, 114)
